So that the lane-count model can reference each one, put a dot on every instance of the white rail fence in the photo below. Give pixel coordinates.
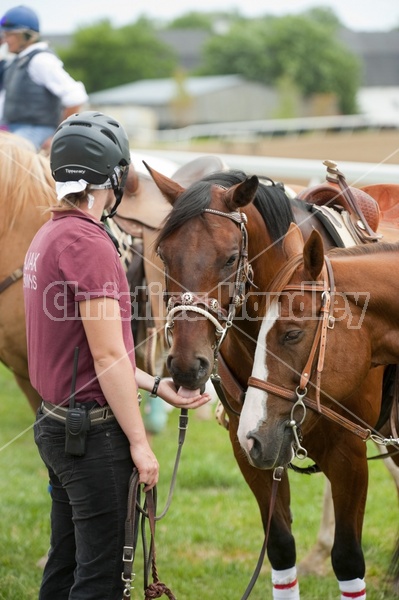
(292, 169)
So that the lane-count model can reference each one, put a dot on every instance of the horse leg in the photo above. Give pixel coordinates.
(314, 563)
(31, 394)
(349, 482)
(281, 544)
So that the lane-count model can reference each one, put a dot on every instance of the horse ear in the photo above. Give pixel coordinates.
(132, 181)
(293, 241)
(169, 188)
(313, 255)
(241, 194)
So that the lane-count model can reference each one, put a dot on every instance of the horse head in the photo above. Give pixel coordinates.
(292, 354)
(203, 246)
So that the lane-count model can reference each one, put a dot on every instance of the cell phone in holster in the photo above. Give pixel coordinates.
(77, 420)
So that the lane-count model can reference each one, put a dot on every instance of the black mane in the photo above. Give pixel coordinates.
(271, 202)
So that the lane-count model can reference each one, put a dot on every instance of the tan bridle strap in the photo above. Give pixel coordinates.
(305, 376)
(319, 341)
(328, 322)
(15, 276)
(326, 412)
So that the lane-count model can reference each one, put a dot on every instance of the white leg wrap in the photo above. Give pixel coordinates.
(285, 584)
(354, 589)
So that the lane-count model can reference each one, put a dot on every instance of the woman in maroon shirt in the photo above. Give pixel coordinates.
(77, 297)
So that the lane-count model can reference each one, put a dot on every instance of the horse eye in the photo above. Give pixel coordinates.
(293, 335)
(231, 260)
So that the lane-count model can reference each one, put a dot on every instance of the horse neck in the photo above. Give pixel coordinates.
(376, 308)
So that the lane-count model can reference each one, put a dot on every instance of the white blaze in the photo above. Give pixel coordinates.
(254, 410)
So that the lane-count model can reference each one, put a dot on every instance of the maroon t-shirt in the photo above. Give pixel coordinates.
(70, 259)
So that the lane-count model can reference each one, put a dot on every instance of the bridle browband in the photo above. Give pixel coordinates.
(317, 352)
(210, 308)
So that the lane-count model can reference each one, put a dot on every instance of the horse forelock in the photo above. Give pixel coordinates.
(190, 204)
(25, 179)
(271, 202)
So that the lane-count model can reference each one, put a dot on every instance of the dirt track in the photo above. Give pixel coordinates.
(364, 146)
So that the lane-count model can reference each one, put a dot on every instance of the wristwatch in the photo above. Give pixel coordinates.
(154, 391)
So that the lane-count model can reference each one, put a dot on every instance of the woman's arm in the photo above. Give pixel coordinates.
(101, 321)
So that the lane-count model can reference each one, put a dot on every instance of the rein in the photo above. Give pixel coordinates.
(317, 351)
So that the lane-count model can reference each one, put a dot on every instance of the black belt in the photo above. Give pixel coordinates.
(97, 415)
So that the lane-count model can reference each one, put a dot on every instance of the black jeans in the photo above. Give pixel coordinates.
(89, 504)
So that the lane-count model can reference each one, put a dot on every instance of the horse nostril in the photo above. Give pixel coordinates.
(204, 366)
(188, 372)
(254, 446)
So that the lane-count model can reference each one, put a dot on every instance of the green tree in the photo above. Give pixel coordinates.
(303, 48)
(103, 57)
(193, 20)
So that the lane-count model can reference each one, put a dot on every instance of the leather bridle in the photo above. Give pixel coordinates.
(208, 307)
(317, 354)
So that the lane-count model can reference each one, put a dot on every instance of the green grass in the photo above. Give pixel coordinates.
(209, 542)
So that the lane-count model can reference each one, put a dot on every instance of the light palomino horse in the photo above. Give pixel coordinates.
(26, 189)
(328, 320)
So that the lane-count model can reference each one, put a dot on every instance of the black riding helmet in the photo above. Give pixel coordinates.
(93, 147)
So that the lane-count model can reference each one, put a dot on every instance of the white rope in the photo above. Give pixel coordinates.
(196, 309)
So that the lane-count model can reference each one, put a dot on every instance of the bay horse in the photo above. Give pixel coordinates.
(222, 240)
(329, 319)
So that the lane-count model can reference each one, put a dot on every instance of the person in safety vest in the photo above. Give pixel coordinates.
(38, 92)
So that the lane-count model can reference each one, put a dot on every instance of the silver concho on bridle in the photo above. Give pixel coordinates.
(187, 301)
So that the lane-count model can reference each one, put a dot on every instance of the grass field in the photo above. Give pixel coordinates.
(209, 542)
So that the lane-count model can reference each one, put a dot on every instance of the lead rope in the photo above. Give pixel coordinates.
(134, 511)
(156, 589)
(277, 475)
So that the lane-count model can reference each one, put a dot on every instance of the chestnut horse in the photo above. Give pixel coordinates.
(328, 320)
(221, 247)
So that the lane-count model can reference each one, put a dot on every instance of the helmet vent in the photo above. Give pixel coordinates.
(109, 135)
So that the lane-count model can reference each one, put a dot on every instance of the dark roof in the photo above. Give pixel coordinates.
(371, 42)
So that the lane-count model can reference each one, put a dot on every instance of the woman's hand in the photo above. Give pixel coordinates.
(183, 398)
(147, 465)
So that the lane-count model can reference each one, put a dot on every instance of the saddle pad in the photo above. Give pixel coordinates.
(335, 223)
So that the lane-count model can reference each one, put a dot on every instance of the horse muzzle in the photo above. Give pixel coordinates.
(191, 374)
(268, 451)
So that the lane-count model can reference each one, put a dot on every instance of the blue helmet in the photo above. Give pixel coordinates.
(20, 18)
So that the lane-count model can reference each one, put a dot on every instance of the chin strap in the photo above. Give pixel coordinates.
(118, 182)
